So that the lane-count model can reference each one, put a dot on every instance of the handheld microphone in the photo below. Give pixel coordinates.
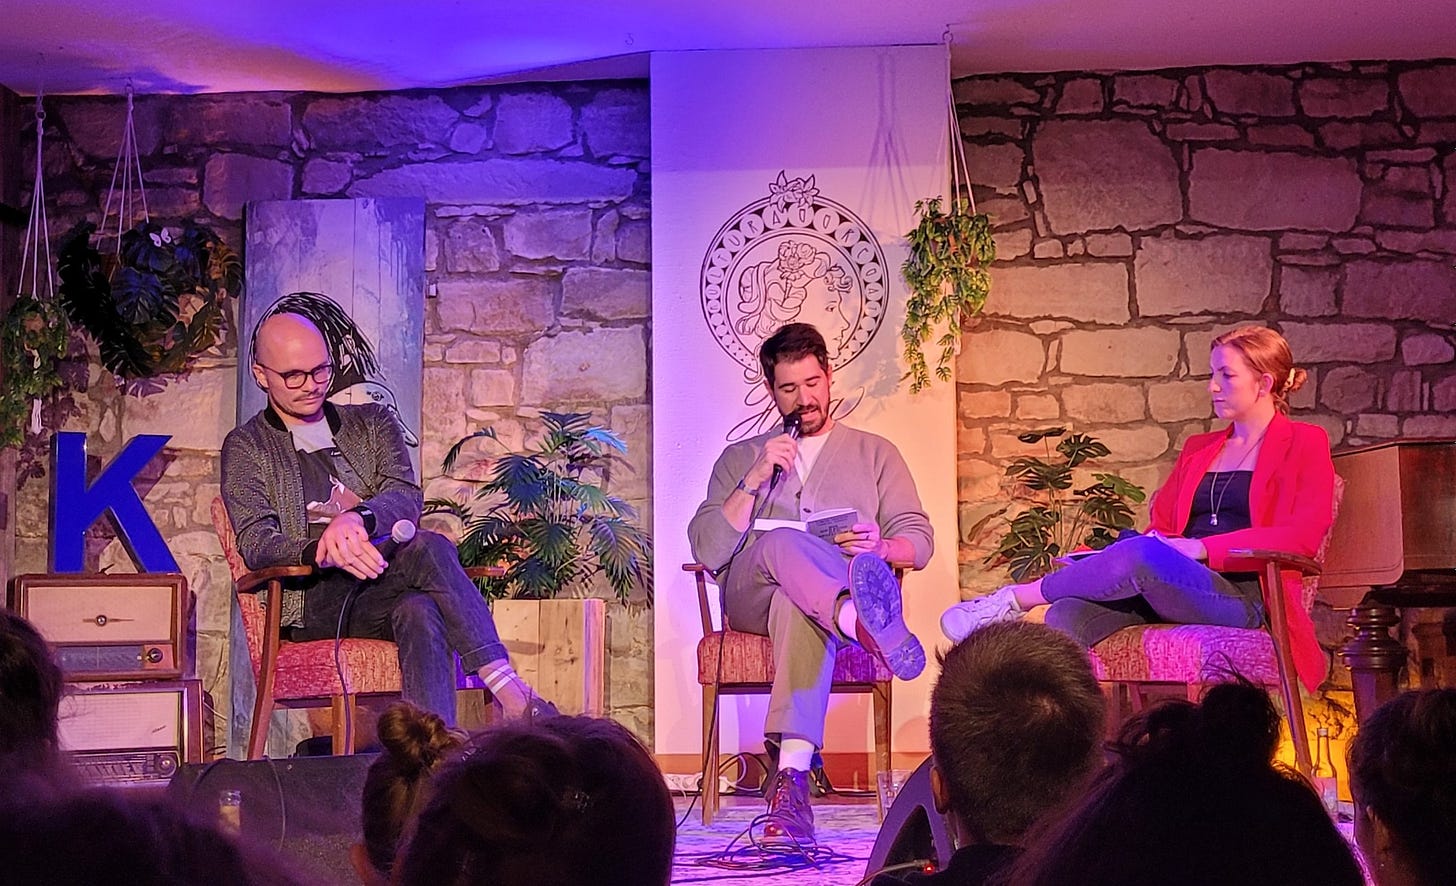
(792, 421)
(400, 534)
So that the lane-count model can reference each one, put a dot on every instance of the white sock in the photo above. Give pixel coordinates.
(501, 677)
(847, 619)
(796, 753)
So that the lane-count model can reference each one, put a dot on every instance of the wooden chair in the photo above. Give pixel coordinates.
(736, 663)
(303, 674)
(1188, 656)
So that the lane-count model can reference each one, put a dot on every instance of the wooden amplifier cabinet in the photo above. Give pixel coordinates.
(109, 627)
(132, 734)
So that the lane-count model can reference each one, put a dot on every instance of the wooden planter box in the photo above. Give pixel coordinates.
(559, 647)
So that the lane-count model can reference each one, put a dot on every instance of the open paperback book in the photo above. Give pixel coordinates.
(825, 524)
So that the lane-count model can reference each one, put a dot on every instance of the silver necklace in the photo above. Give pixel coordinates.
(1216, 503)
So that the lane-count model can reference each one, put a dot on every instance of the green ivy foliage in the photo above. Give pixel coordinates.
(542, 515)
(946, 273)
(33, 338)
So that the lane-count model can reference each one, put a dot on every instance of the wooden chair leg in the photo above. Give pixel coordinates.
(709, 787)
(343, 726)
(884, 760)
(262, 716)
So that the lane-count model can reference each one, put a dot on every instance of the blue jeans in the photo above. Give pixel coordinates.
(426, 604)
(1141, 580)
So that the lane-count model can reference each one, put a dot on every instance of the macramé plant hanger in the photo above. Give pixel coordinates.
(946, 267)
(152, 298)
(33, 332)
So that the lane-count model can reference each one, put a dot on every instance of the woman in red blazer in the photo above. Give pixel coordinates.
(1263, 482)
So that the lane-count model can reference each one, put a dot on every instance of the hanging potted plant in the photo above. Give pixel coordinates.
(33, 339)
(945, 270)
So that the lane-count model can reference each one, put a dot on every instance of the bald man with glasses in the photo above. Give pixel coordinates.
(309, 482)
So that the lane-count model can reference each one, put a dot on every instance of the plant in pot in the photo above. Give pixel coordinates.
(542, 514)
(946, 273)
(33, 342)
(1052, 517)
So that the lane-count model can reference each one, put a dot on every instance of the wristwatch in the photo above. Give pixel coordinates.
(367, 514)
(744, 487)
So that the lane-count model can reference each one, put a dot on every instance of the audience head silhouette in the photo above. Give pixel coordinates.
(415, 743)
(574, 801)
(30, 695)
(1403, 777)
(1193, 797)
(1016, 724)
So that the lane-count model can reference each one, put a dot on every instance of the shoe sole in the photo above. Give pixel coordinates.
(880, 610)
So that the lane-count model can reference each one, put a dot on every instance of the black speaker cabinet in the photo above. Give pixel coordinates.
(912, 830)
(308, 807)
(109, 627)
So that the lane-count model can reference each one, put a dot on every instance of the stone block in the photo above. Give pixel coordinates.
(1284, 135)
(230, 180)
(1343, 135)
(470, 247)
(1428, 426)
(1004, 211)
(1372, 425)
(196, 410)
(1080, 96)
(998, 356)
(1334, 425)
(1383, 207)
(326, 176)
(1340, 342)
(606, 294)
(1047, 249)
(1095, 292)
(1037, 407)
(503, 182)
(633, 424)
(634, 242)
(443, 405)
(474, 351)
(1249, 93)
(604, 237)
(990, 129)
(1294, 241)
(1216, 274)
(1113, 245)
(492, 387)
(1428, 92)
(1104, 174)
(996, 166)
(485, 306)
(1443, 394)
(1407, 290)
(1307, 292)
(980, 91)
(983, 404)
(1146, 352)
(1426, 349)
(469, 138)
(1133, 444)
(1404, 393)
(95, 124)
(1295, 191)
(1349, 389)
(1104, 402)
(1448, 204)
(1201, 132)
(556, 233)
(1344, 97)
(1179, 401)
(597, 366)
(174, 175)
(173, 203)
(1011, 245)
(532, 121)
(1304, 396)
(211, 121)
(1353, 245)
(374, 123)
(617, 122)
(1144, 90)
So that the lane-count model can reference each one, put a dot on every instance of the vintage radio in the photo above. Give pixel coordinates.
(109, 627)
(137, 734)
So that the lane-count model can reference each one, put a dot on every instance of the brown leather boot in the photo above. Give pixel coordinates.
(790, 819)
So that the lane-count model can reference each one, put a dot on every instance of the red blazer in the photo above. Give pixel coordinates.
(1291, 499)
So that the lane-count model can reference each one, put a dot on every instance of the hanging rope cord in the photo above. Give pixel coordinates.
(37, 227)
(960, 173)
(129, 170)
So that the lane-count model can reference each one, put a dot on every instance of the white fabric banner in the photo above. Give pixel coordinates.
(783, 183)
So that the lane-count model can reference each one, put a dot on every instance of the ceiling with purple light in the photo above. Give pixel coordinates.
(85, 46)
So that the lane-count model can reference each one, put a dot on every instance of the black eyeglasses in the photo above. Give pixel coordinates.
(294, 379)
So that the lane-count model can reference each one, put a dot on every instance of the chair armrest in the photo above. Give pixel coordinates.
(474, 572)
(1304, 564)
(253, 582)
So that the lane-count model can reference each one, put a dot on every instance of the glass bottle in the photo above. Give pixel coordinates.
(230, 811)
(1325, 780)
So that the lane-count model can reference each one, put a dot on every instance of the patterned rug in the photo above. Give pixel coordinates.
(846, 830)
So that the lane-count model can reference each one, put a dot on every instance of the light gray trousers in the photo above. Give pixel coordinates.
(786, 585)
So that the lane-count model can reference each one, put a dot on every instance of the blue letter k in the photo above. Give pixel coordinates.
(75, 505)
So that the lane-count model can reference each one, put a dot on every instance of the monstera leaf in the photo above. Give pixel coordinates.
(155, 303)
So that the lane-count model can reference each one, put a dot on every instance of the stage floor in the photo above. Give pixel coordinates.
(846, 830)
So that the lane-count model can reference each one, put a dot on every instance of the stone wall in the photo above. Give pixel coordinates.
(1137, 215)
(537, 252)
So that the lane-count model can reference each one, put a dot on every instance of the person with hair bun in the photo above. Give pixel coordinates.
(569, 801)
(1403, 778)
(1264, 481)
(415, 743)
(1193, 797)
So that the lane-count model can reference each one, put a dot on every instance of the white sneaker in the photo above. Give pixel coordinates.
(958, 621)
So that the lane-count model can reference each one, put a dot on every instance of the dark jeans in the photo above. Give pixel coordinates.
(1141, 580)
(423, 602)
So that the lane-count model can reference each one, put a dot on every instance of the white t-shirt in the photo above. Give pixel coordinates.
(809, 449)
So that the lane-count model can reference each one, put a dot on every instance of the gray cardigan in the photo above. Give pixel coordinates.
(855, 469)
